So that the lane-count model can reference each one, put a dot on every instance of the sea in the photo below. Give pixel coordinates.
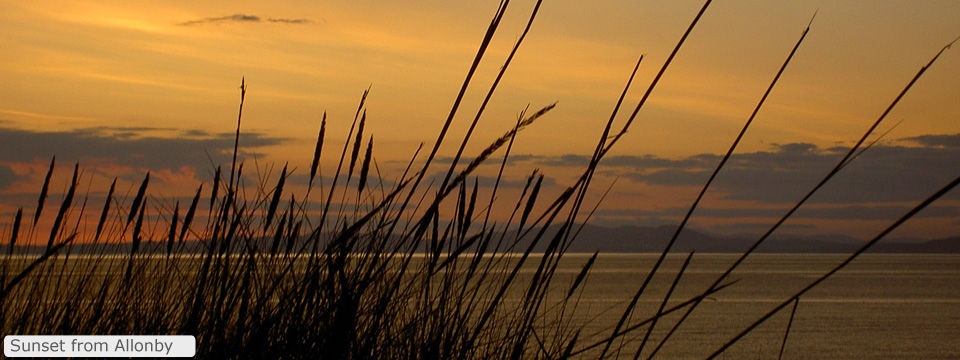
(880, 306)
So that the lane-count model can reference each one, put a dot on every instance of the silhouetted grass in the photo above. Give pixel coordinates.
(410, 272)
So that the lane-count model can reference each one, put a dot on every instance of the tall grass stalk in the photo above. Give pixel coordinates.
(916, 209)
(844, 161)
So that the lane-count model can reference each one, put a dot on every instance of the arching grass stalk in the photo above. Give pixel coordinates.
(836, 169)
(916, 209)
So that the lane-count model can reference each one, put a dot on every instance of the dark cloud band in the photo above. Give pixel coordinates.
(239, 18)
(905, 170)
(126, 146)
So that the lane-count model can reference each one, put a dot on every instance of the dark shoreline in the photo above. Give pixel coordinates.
(624, 239)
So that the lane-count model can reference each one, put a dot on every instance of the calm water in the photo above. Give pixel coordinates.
(879, 307)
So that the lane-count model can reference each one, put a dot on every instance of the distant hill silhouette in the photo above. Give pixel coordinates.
(646, 239)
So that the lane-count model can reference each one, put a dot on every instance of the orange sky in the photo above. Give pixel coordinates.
(165, 68)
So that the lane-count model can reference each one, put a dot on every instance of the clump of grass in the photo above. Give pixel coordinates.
(403, 275)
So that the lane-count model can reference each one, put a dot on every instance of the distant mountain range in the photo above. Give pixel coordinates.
(646, 239)
(642, 239)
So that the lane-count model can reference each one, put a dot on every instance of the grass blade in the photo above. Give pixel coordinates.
(276, 198)
(365, 168)
(530, 201)
(137, 200)
(173, 228)
(43, 192)
(582, 275)
(723, 161)
(843, 162)
(67, 202)
(488, 36)
(861, 250)
(236, 139)
(356, 145)
(16, 230)
(343, 156)
(137, 228)
(493, 88)
(106, 210)
(316, 153)
(278, 234)
(216, 186)
(628, 329)
(793, 312)
(190, 214)
(663, 304)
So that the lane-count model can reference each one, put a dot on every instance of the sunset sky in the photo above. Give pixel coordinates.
(129, 87)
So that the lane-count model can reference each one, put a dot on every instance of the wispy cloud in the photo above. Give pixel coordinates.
(25, 114)
(239, 18)
(222, 19)
(290, 21)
